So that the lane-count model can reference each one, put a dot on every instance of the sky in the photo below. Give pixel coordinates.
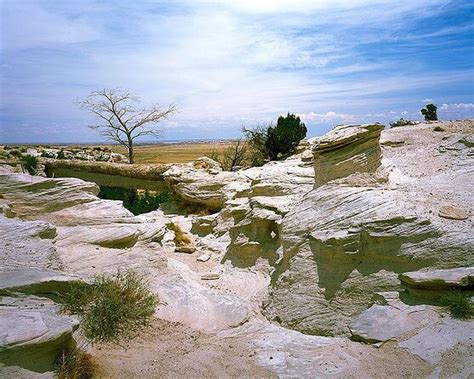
(230, 64)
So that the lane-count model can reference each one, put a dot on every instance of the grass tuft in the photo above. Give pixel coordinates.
(74, 364)
(112, 308)
(459, 305)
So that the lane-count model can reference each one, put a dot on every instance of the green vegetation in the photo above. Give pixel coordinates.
(459, 304)
(277, 141)
(132, 200)
(74, 363)
(112, 308)
(61, 155)
(29, 163)
(430, 112)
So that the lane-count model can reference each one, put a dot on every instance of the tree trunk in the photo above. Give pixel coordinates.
(130, 151)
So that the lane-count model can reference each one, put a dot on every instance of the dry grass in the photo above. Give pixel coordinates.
(172, 153)
(180, 237)
(75, 364)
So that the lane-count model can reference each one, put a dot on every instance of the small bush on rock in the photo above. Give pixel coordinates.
(112, 308)
(459, 304)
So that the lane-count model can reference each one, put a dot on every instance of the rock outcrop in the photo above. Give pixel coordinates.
(353, 236)
(350, 238)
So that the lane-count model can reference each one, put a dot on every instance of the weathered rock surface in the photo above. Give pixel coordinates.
(345, 150)
(453, 213)
(31, 280)
(381, 323)
(344, 242)
(439, 279)
(32, 333)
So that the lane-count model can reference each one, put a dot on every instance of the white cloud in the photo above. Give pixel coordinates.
(457, 107)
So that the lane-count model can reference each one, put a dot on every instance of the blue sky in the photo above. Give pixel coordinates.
(228, 64)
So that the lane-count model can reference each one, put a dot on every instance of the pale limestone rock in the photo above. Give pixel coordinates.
(437, 339)
(203, 258)
(32, 332)
(453, 213)
(381, 323)
(439, 279)
(30, 280)
(184, 299)
(345, 150)
(343, 242)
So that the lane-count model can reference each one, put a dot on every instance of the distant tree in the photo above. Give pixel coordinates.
(272, 141)
(430, 112)
(285, 136)
(121, 120)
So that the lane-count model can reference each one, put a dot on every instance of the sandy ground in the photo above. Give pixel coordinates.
(171, 350)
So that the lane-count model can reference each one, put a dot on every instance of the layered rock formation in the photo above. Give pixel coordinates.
(354, 234)
(354, 238)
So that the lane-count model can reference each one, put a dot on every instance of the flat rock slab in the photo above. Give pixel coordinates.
(381, 323)
(210, 276)
(453, 213)
(32, 332)
(192, 304)
(439, 279)
(34, 280)
(437, 339)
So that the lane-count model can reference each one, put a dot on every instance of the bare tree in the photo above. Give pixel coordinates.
(122, 120)
(232, 156)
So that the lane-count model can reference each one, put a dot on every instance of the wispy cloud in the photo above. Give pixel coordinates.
(228, 63)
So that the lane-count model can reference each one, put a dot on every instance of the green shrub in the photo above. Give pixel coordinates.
(112, 308)
(61, 155)
(74, 363)
(459, 304)
(285, 136)
(430, 112)
(29, 163)
(275, 141)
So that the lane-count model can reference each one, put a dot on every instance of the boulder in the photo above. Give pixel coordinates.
(453, 213)
(439, 279)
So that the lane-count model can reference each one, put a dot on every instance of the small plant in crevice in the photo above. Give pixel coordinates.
(459, 304)
(74, 363)
(112, 308)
